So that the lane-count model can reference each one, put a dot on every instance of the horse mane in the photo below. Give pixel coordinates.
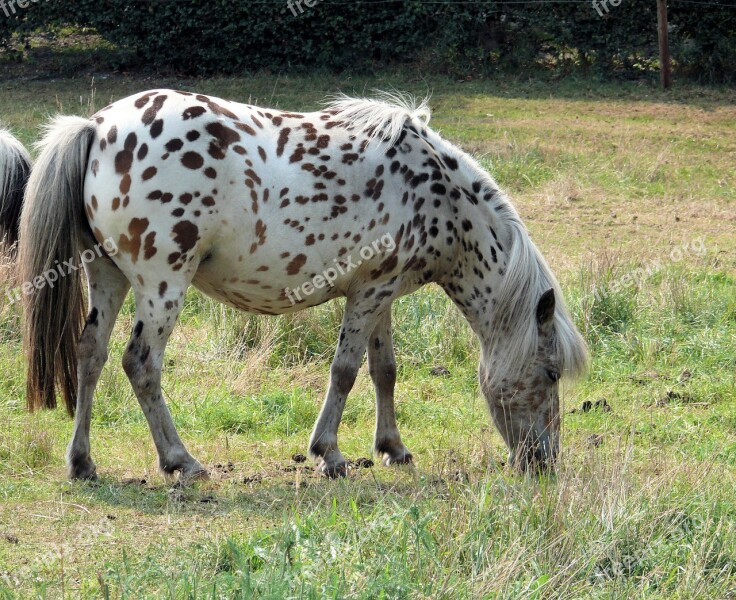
(381, 117)
(526, 278)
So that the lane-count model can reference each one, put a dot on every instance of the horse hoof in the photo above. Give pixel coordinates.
(83, 472)
(335, 471)
(403, 458)
(193, 475)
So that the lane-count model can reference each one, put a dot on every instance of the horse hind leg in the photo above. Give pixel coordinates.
(107, 289)
(382, 368)
(156, 314)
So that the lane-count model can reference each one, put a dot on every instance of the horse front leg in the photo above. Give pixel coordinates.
(359, 320)
(382, 367)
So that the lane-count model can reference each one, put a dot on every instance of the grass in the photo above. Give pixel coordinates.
(630, 194)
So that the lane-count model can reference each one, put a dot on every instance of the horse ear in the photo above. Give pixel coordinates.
(546, 308)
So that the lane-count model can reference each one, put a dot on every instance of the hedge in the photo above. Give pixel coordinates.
(239, 36)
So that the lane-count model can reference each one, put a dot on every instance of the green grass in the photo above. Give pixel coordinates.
(630, 194)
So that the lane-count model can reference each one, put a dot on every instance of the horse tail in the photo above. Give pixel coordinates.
(53, 226)
(15, 168)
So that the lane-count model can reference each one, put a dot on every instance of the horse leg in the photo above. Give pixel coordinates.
(382, 367)
(107, 289)
(156, 315)
(358, 321)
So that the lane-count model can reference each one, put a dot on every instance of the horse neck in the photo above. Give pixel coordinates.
(482, 252)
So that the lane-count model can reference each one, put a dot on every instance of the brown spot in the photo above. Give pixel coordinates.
(174, 145)
(323, 141)
(123, 161)
(125, 184)
(192, 160)
(95, 167)
(98, 236)
(94, 202)
(219, 110)
(262, 153)
(162, 287)
(224, 135)
(149, 173)
(246, 128)
(185, 235)
(193, 112)
(150, 113)
(210, 172)
(131, 142)
(185, 198)
(142, 151)
(283, 139)
(261, 232)
(157, 128)
(132, 244)
(143, 100)
(208, 201)
(296, 264)
(297, 155)
(149, 250)
(252, 174)
(112, 135)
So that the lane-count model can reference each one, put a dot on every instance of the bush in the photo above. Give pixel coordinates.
(237, 36)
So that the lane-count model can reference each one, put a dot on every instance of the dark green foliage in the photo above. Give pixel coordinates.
(240, 36)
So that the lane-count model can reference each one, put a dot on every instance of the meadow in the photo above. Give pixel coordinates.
(629, 192)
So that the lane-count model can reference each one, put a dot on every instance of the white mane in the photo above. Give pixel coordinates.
(527, 277)
(382, 117)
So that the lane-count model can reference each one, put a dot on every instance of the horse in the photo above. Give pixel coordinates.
(273, 212)
(15, 168)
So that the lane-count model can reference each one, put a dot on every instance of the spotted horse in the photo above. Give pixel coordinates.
(248, 203)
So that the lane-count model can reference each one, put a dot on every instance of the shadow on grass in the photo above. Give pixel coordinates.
(268, 495)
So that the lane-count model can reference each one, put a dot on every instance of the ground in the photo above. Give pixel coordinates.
(627, 190)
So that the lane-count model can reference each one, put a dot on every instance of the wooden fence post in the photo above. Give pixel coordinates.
(665, 67)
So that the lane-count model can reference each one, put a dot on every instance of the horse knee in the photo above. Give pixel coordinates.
(383, 374)
(342, 377)
(92, 356)
(136, 361)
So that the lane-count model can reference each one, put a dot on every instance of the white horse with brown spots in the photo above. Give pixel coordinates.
(271, 212)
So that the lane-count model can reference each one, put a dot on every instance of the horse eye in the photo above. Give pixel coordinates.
(553, 375)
